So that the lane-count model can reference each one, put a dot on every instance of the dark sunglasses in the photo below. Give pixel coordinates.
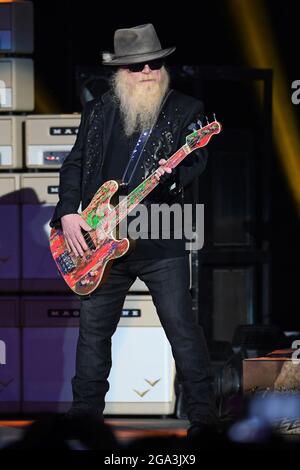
(153, 65)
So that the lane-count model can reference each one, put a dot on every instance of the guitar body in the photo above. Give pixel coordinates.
(84, 274)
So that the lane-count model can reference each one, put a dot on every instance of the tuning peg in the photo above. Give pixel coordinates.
(207, 121)
(214, 116)
(192, 127)
(199, 124)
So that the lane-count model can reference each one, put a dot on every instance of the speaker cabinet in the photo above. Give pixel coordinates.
(16, 85)
(16, 27)
(49, 139)
(10, 356)
(39, 194)
(142, 374)
(11, 144)
(10, 242)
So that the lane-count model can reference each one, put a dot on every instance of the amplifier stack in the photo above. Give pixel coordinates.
(39, 316)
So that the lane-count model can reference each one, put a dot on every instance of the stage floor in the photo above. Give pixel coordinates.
(125, 429)
(131, 429)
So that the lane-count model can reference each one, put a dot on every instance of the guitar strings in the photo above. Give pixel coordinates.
(177, 155)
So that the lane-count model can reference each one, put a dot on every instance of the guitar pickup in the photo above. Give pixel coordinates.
(88, 240)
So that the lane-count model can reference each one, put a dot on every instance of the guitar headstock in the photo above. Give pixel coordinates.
(200, 137)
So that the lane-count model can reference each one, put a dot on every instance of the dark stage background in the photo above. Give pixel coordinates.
(71, 34)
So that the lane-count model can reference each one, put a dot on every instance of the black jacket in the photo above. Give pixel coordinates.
(80, 174)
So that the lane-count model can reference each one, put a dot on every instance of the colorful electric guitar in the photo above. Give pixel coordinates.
(84, 274)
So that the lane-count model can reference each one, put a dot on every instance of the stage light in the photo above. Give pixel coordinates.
(259, 45)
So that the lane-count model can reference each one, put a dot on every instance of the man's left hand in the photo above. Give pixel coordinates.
(162, 169)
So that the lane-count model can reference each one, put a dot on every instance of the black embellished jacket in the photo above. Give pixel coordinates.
(81, 172)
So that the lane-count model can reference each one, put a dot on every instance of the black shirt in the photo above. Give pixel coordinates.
(118, 153)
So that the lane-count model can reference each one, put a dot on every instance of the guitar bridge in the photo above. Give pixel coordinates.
(65, 263)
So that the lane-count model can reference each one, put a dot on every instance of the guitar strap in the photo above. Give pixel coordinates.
(134, 159)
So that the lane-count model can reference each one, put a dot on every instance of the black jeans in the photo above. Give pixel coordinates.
(168, 283)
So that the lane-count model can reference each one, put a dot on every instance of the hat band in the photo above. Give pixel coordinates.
(115, 56)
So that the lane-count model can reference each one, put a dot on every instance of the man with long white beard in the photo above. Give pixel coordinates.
(140, 95)
(126, 135)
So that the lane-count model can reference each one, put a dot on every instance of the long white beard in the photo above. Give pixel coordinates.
(139, 105)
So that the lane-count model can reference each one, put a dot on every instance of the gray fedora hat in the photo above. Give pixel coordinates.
(134, 45)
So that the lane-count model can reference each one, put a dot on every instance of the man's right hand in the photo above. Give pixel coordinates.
(72, 225)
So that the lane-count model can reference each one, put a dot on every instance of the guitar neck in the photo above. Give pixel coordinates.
(143, 189)
(196, 139)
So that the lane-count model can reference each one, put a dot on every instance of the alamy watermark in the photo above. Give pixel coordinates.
(163, 221)
(2, 352)
(296, 94)
(296, 353)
